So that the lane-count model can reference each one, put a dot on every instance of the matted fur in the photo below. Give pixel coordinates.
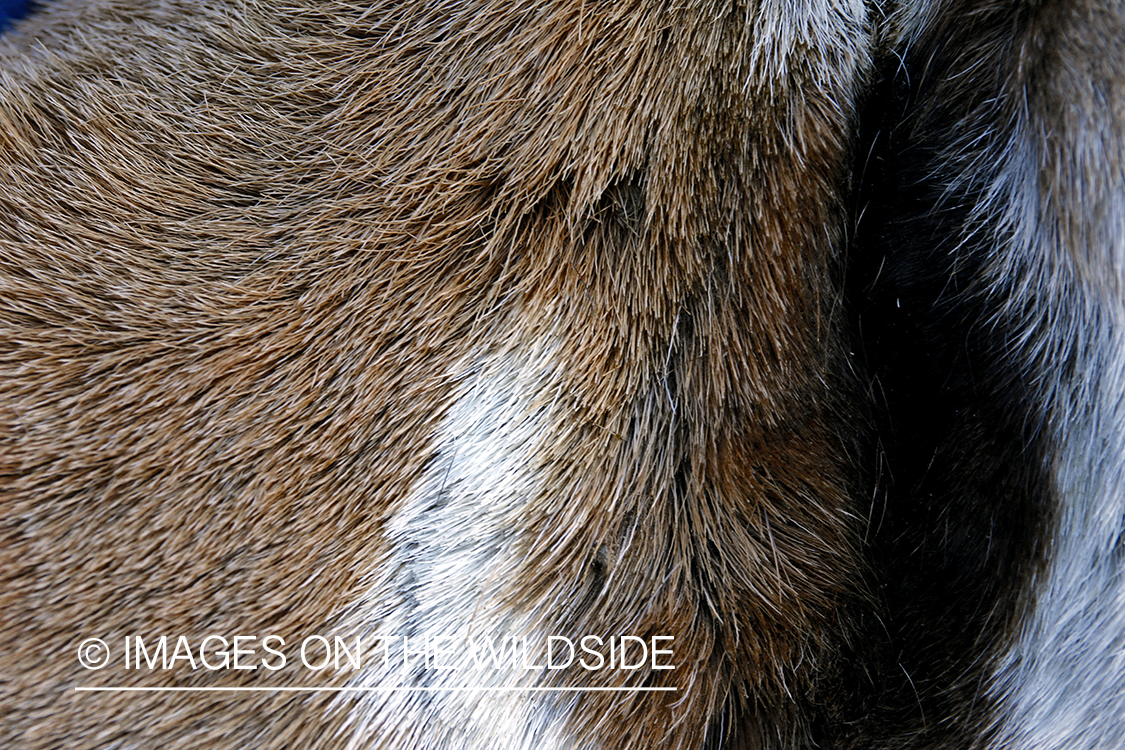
(500, 318)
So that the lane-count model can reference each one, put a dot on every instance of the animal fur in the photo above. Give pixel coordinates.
(790, 331)
(991, 302)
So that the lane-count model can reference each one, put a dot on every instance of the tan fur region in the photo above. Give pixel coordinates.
(248, 255)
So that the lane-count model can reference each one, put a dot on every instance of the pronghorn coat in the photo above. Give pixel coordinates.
(788, 333)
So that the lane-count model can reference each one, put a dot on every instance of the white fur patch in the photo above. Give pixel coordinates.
(455, 548)
(793, 33)
(1063, 684)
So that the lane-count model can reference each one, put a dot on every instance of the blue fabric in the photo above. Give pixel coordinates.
(10, 9)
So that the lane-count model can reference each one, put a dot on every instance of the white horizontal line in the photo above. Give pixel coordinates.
(375, 689)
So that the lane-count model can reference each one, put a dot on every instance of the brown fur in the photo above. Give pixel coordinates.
(248, 255)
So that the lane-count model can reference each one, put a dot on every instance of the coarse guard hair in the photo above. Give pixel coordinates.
(563, 374)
